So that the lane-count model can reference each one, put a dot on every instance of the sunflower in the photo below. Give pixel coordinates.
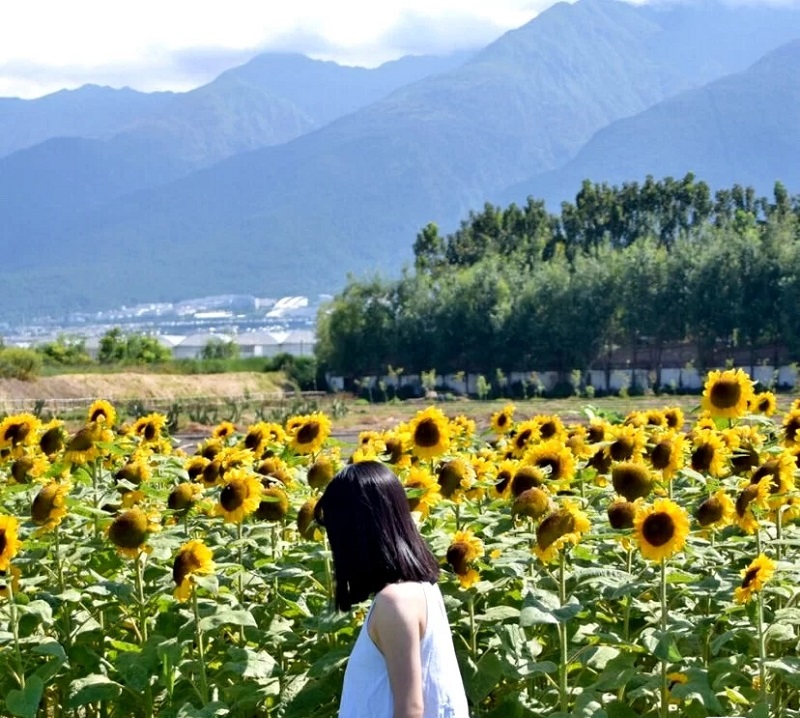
(209, 448)
(308, 433)
(49, 506)
(655, 418)
(576, 442)
(430, 433)
(621, 514)
(503, 420)
(240, 496)
(754, 577)
(464, 550)
(321, 472)
(564, 525)
(637, 419)
(275, 468)
(780, 470)
(136, 471)
(365, 438)
(394, 447)
(666, 454)
(193, 558)
(600, 461)
(550, 427)
(744, 458)
(674, 417)
(9, 543)
(552, 455)
(709, 453)
(274, 504)
(752, 496)
(18, 430)
(455, 477)
(306, 526)
(791, 428)
(532, 503)
(727, 394)
(626, 442)
(764, 403)
(716, 511)
(102, 412)
(84, 447)
(150, 427)
(195, 466)
(526, 477)
(524, 435)
(632, 479)
(29, 467)
(257, 438)
(51, 439)
(505, 472)
(183, 497)
(129, 532)
(597, 430)
(13, 584)
(422, 489)
(462, 429)
(660, 529)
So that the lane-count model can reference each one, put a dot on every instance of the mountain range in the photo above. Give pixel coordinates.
(284, 174)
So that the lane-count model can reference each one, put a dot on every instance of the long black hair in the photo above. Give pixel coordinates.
(373, 538)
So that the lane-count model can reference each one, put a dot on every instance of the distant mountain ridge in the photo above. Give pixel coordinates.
(743, 128)
(350, 195)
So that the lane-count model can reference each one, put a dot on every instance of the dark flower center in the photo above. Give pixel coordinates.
(749, 577)
(457, 557)
(791, 429)
(531, 503)
(548, 429)
(427, 434)
(503, 477)
(502, 420)
(744, 459)
(185, 563)
(449, 478)
(129, 530)
(51, 441)
(702, 457)
(3, 541)
(554, 527)
(233, 495)
(17, 432)
(600, 462)
(621, 449)
(253, 440)
(43, 504)
(553, 463)
(725, 394)
(769, 468)
(149, 431)
(660, 455)
(658, 529)
(631, 481)
(308, 432)
(522, 438)
(749, 493)
(709, 512)
(82, 441)
(595, 434)
(621, 514)
(20, 469)
(181, 498)
(212, 472)
(764, 405)
(672, 419)
(526, 478)
(274, 505)
(98, 414)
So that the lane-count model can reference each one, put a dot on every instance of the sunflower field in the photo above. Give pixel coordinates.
(639, 565)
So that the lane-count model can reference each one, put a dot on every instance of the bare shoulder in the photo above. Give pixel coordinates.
(401, 603)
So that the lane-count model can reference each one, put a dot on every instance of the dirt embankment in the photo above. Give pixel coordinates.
(131, 385)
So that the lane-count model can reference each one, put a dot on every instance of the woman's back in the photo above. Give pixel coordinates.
(367, 692)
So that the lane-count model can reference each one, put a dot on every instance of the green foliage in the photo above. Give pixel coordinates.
(633, 266)
(119, 348)
(18, 363)
(65, 350)
(216, 348)
(301, 371)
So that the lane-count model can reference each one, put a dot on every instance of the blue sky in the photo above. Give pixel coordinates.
(46, 45)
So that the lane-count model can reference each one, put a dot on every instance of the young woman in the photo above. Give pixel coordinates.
(403, 664)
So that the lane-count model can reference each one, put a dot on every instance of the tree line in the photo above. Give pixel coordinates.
(521, 288)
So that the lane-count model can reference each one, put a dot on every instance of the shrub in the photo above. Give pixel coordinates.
(17, 363)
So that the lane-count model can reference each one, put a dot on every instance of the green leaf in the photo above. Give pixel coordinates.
(330, 661)
(535, 615)
(498, 613)
(89, 689)
(212, 710)
(247, 663)
(617, 709)
(485, 676)
(227, 616)
(25, 703)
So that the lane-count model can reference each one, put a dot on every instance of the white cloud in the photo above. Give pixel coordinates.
(177, 44)
(47, 44)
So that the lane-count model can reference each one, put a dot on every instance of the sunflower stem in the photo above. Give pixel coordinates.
(779, 534)
(664, 684)
(563, 637)
(142, 606)
(762, 650)
(62, 586)
(14, 620)
(203, 689)
(457, 513)
(473, 636)
(239, 535)
(629, 598)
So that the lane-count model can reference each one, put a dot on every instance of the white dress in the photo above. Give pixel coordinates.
(367, 692)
